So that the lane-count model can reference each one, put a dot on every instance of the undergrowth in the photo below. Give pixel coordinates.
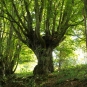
(77, 73)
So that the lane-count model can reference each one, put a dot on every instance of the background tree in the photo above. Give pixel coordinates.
(65, 55)
(41, 25)
(10, 48)
(85, 19)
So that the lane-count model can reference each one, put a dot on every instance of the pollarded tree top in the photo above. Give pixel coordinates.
(30, 18)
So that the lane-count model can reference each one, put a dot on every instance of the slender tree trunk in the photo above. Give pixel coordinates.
(59, 67)
(85, 20)
(60, 60)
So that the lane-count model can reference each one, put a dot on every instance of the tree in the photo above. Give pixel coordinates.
(10, 48)
(85, 19)
(41, 25)
(65, 52)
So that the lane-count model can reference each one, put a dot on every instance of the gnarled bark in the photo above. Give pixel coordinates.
(45, 62)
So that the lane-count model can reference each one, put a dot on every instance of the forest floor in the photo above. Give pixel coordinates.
(50, 81)
(72, 77)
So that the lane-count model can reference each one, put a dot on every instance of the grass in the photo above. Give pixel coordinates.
(25, 69)
(76, 75)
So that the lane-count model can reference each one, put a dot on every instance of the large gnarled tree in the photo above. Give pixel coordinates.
(41, 25)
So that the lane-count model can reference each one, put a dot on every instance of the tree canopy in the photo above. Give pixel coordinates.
(42, 16)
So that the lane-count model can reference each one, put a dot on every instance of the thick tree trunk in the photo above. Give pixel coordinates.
(45, 61)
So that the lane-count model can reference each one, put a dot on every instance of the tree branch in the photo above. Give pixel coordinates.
(20, 20)
(18, 34)
(76, 23)
(49, 16)
(37, 30)
(41, 10)
(12, 19)
(29, 18)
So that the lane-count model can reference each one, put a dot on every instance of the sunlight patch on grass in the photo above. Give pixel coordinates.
(25, 67)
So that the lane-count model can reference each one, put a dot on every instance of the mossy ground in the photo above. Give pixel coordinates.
(69, 77)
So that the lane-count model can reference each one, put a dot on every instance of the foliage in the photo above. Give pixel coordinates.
(10, 48)
(78, 72)
(26, 55)
(65, 53)
(49, 17)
